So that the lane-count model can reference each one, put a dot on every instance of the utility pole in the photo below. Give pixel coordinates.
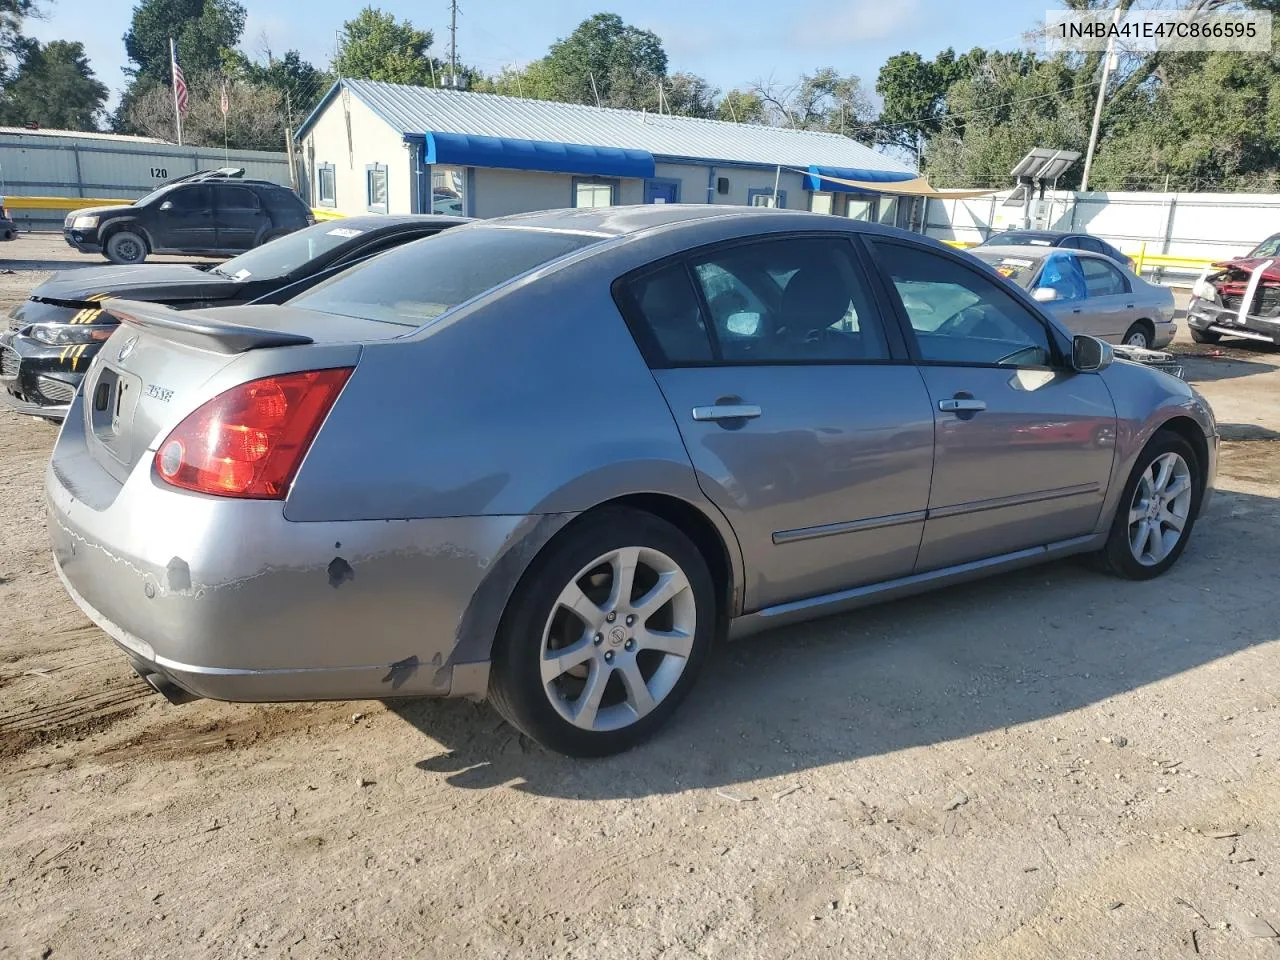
(453, 43)
(1097, 107)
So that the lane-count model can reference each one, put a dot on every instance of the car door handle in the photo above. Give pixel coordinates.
(727, 411)
(962, 405)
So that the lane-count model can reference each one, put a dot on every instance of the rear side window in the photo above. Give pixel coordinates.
(419, 281)
(237, 198)
(672, 316)
(1062, 275)
(1102, 279)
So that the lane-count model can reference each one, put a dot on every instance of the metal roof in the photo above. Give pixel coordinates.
(77, 135)
(420, 110)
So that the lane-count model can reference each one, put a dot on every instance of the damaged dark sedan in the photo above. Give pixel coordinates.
(52, 338)
(1239, 297)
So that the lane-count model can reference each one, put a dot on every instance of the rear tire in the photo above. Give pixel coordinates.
(1204, 336)
(1140, 334)
(125, 246)
(590, 659)
(1153, 498)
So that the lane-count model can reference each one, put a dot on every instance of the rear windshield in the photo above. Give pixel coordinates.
(1017, 239)
(1018, 269)
(421, 280)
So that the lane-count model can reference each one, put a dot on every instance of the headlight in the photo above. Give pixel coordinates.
(84, 223)
(58, 334)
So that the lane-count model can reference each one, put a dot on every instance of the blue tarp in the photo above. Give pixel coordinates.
(815, 182)
(510, 154)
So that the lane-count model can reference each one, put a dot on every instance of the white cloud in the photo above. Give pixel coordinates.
(833, 26)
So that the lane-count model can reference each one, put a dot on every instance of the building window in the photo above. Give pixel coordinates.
(449, 191)
(822, 202)
(594, 193)
(375, 179)
(859, 209)
(327, 185)
(763, 197)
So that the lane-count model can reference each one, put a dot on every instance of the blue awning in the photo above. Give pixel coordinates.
(815, 181)
(509, 154)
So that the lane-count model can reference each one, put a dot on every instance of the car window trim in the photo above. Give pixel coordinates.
(909, 332)
(624, 298)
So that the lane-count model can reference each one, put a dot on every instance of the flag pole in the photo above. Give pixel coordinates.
(173, 66)
(226, 106)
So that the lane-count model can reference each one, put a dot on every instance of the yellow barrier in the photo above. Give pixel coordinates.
(62, 203)
(326, 214)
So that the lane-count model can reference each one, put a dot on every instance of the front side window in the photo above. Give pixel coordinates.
(189, 199)
(376, 187)
(419, 281)
(593, 193)
(960, 316)
(1102, 279)
(789, 300)
(327, 185)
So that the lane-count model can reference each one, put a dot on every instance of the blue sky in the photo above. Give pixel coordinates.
(731, 42)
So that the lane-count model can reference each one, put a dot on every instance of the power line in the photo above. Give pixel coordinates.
(999, 106)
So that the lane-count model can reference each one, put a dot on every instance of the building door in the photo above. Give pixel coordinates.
(661, 191)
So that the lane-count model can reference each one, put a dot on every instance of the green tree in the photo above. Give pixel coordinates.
(376, 46)
(688, 95)
(13, 45)
(299, 83)
(603, 61)
(823, 100)
(741, 106)
(202, 29)
(54, 86)
(914, 94)
(255, 120)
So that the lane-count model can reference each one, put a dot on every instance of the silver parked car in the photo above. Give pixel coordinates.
(549, 458)
(1089, 293)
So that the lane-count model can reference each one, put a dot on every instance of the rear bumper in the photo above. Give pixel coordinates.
(1202, 315)
(230, 600)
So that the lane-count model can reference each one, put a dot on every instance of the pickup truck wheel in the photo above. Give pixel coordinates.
(1205, 336)
(125, 246)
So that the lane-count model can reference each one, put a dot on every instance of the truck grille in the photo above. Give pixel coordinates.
(9, 362)
(1266, 302)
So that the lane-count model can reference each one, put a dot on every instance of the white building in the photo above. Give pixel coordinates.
(390, 148)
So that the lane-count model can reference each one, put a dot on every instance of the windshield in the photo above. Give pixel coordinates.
(421, 280)
(1018, 269)
(152, 195)
(286, 254)
(1015, 239)
(1267, 248)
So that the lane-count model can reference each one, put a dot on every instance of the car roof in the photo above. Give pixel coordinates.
(1018, 250)
(382, 221)
(625, 220)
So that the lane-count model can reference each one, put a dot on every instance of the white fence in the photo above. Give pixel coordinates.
(1196, 226)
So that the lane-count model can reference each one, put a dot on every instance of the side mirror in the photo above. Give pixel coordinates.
(1044, 294)
(167, 205)
(1089, 354)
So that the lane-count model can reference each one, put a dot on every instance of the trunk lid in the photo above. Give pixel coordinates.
(163, 363)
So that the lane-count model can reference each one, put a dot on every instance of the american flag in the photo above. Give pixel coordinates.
(225, 104)
(179, 86)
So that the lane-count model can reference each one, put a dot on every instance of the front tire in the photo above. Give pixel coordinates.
(1204, 336)
(605, 635)
(125, 246)
(1157, 510)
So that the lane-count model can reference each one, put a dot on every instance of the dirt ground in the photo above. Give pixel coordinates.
(1051, 764)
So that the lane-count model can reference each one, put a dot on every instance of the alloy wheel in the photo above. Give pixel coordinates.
(618, 638)
(1160, 510)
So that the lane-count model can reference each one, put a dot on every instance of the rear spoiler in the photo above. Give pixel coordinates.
(198, 328)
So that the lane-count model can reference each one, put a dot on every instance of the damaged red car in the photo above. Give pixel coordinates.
(1239, 297)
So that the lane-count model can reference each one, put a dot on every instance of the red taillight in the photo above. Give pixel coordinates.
(249, 441)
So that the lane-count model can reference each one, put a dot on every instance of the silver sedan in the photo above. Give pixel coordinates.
(1089, 293)
(550, 458)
